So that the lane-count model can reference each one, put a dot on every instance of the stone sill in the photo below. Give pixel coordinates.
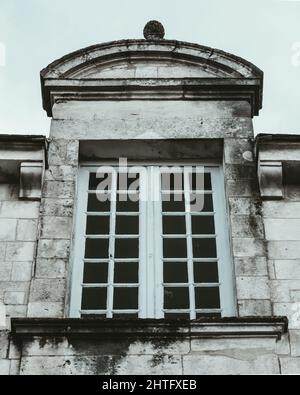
(246, 327)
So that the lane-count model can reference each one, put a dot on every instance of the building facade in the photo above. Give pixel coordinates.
(109, 268)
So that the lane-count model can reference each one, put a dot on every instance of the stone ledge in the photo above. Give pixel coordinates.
(248, 327)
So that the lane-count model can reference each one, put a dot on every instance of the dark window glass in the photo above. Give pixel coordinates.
(175, 272)
(203, 225)
(171, 316)
(202, 202)
(97, 225)
(208, 315)
(172, 181)
(127, 202)
(196, 183)
(206, 272)
(98, 202)
(173, 202)
(207, 298)
(176, 298)
(95, 272)
(93, 315)
(175, 248)
(174, 224)
(127, 225)
(125, 316)
(126, 272)
(125, 298)
(94, 298)
(102, 182)
(96, 248)
(204, 248)
(127, 248)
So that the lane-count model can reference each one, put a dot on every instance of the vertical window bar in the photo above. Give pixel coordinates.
(143, 232)
(187, 198)
(111, 250)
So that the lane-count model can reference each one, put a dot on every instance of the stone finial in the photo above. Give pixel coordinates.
(154, 30)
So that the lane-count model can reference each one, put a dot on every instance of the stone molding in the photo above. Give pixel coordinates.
(270, 179)
(247, 327)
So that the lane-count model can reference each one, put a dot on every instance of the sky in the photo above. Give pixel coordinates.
(33, 33)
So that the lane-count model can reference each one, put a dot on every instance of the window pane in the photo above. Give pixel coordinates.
(103, 182)
(206, 272)
(207, 298)
(127, 225)
(126, 272)
(174, 224)
(127, 202)
(126, 316)
(94, 298)
(170, 316)
(173, 202)
(203, 225)
(95, 272)
(175, 272)
(96, 248)
(93, 315)
(125, 298)
(98, 202)
(97, 225)
(202, 202)
(127, 248)
(208, 315)
(196, 183)
(176, 298)
(204, 248)
(172, 181)
(175, 248)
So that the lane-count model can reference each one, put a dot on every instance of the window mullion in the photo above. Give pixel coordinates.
(111, 251)
(187, 198)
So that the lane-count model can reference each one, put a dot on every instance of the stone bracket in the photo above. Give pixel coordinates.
(31, 180)
(270, 179)
(248, 327)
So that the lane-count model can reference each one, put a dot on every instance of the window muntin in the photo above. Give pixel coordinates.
(153, 257)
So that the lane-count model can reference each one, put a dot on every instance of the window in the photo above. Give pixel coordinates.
(151, 242)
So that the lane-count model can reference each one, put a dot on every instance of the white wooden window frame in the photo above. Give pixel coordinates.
(151, 289)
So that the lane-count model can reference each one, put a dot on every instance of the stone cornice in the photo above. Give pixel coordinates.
(248, 327)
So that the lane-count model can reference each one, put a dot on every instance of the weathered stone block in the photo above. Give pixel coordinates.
(20, 251)
(59, 189)
(253, 288)
(235, 149)
(150, 364)
(13, 297)
(255, 308)
(248, 247)
(247, 226)
(5, 270)
(282, 229)
(21, 271)
(284, 249)
(4, 343)
(44, 309)
(281, 290)
(287, 269)
(27, 230)
(47, 290)
(295, 343)
(4, 367)
(19, 209)
(242, 188)
(8, 229)
(281, 209)
(61, 173)
(244, 206)
(255, 266)
(291, 311)
(290, 365)
(57, 207)
(53, 249)
(56, 228)
(233, 348)
(219, 364)
(51, 268)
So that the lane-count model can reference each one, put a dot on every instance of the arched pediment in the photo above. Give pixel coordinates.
(134, 69)
(163, 59)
